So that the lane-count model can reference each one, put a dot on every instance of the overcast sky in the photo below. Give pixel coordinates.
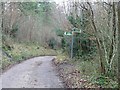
(60, 1)
(57, 1)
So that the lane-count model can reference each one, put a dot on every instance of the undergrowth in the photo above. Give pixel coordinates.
(18, 52)
(89, 72)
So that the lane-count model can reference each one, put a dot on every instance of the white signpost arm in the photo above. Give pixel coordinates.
(72, 41)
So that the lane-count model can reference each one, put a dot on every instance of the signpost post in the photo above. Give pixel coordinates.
(72, 42)
(72, 45)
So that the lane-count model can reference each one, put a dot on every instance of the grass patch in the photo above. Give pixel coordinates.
(20, 52)
(61, 57)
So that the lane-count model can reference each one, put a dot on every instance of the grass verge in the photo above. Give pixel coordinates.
(19, 52)
(82, 74)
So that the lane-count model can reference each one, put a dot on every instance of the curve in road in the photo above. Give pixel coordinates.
(33, 73)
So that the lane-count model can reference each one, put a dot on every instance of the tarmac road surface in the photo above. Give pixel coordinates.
(37, 72)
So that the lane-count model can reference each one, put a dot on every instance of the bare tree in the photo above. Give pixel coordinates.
(119, 44)
(107, 50)
(102, 68)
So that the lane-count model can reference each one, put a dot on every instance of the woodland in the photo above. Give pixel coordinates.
(90, 29)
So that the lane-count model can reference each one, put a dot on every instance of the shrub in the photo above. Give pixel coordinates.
(52, 43)
(59, 32)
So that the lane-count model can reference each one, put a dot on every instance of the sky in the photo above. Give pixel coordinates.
(57, 1)
(60, 1)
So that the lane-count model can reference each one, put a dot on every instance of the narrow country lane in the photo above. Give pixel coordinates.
(34, 73)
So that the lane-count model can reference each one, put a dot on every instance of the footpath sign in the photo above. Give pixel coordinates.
(72, 34)
(68, 33)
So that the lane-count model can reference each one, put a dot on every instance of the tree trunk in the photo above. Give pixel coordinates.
(119, 44)
(114, 35)
(102, 67)
(2, 6)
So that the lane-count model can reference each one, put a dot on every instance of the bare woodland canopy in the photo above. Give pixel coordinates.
(38, 22)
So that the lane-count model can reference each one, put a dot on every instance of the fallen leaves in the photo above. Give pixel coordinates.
(71, 76)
